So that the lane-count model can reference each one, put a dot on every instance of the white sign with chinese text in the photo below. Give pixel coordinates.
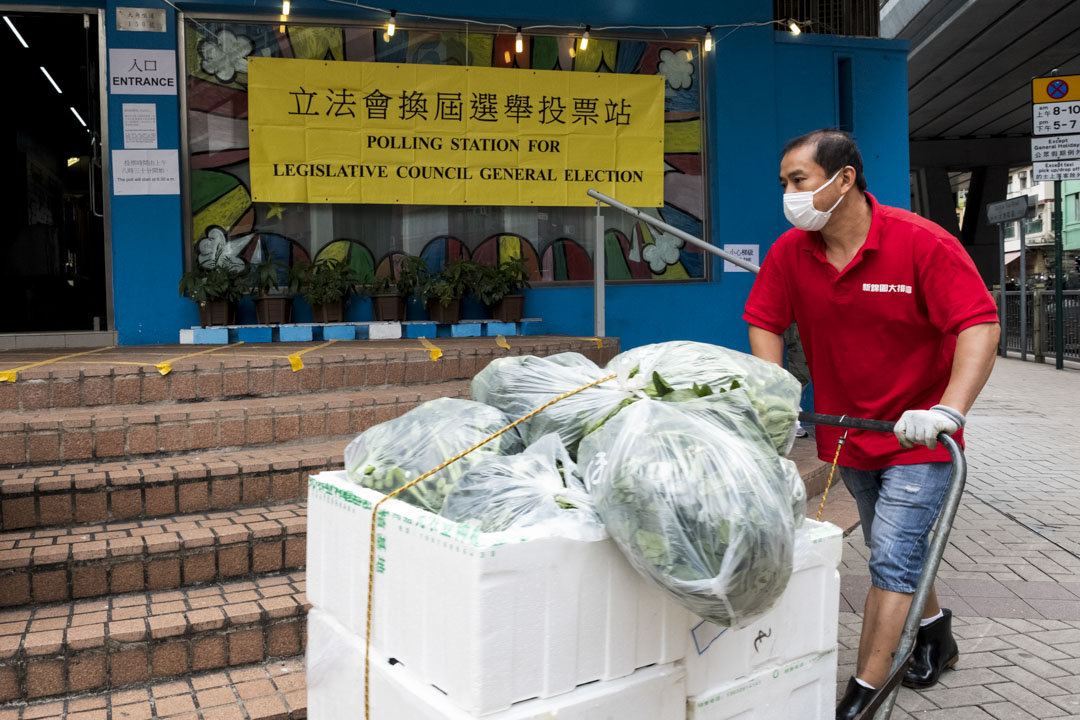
(142, 72)
(146, 172)
(140, 19)
(746, 252)
(1057, 170)
(1055, 117)
(1055, 147)
(140, 126)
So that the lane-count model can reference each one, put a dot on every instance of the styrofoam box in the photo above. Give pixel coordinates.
(488, 619)
(803, 621)
(804, 689)
(335, 688)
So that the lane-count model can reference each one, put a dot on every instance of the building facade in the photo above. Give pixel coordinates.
(162, 176)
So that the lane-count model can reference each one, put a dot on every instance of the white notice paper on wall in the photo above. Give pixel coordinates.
(745, 252)
(140, 126)
(146, 172)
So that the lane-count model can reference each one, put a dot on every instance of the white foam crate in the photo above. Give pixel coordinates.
(489, 619)
(803, 621)
(335, 688)
(804, 689)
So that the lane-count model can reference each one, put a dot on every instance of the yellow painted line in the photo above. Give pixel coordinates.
(165, 367)
(11, 375)
(298, 364)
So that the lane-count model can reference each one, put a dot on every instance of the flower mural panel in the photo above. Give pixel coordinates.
(557, 243)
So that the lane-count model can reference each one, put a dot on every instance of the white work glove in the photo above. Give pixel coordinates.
(923, 426)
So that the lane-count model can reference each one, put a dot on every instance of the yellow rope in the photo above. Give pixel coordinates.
(403, 488)
(11, 375)
(832, 471)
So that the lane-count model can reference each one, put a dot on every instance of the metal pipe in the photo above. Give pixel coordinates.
(933, 561)
(1023, 288)
(599, 277)
(672, 230)
(1002, 312)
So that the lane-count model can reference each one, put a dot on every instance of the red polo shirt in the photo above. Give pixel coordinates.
(880, 334)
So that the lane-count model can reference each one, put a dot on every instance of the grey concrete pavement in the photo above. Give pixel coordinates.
(1011, 573)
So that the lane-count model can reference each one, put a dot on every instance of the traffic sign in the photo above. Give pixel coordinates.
(1059, 88)
(1056, 170)
(1057, 147)
(1012, 209)
(1056, 118)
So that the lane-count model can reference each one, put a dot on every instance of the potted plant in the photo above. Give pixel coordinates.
(389, 295)
(272, 305)
(326, 285)
(443, 291)
(215, 290)
(497, 287)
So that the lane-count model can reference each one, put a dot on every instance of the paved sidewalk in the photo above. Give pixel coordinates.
(1011, 573)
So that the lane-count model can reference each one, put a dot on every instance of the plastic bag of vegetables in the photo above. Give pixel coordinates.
(388, 455)
(773, 391)
(539, 488)
(697, 500)
(520, 384)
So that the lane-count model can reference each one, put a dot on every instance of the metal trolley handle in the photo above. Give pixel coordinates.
(885, 698)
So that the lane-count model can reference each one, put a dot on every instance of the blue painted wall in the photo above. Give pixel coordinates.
(763, 87)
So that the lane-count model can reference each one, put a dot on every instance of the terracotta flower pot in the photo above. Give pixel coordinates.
(444, 314)
(329, 312)
(217, 312)
(510, 309)
(273, 310)
(388, 308)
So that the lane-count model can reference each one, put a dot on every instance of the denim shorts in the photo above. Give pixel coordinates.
(898, 506)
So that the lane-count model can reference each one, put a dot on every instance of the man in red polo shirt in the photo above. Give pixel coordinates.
(897, 325)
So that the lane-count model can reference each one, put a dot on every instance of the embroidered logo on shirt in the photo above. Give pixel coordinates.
(884, 288)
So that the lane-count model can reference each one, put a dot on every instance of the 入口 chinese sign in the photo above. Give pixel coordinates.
(142, 72)
(354, 132)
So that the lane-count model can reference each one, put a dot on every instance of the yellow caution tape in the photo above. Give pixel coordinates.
(164, 368)
(599, 342)
(296, 362)
(8, 376)
(433, 350)
(501, 342)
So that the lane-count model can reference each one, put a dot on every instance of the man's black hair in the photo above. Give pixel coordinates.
(834, 150)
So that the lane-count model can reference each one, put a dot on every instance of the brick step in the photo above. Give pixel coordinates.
(88, 493)
(46, 566)
(79, 434)
(126, 640)
(232, 372)
(270, 691)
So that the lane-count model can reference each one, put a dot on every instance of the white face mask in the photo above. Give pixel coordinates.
(800, 211)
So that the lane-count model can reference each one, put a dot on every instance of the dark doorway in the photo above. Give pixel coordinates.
(52, 249)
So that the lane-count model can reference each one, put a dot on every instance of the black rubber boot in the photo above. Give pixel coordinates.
(855, 699)
(935, 651)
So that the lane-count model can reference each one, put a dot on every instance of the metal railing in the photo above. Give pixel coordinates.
(832, 17)
(1041, 311)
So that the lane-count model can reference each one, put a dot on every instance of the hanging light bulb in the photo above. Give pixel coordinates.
(795, 29)
(585, 37)
(391, 27)
(519, 42)
(285, 7)
(708, 39)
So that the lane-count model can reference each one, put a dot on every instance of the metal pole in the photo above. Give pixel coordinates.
(1002, 314)
(1059, 281)
(599, 276)
(933, 561)
(672, 230)
(1023, 289)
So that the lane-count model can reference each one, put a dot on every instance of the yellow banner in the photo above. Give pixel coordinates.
(353, 132)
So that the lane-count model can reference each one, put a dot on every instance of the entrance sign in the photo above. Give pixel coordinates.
(355, 132)
(142, 72)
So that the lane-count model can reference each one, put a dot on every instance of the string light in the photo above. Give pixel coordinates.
(519, 42)
(708, 39)
(391, 27)
(795, 29)
(585, 38)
